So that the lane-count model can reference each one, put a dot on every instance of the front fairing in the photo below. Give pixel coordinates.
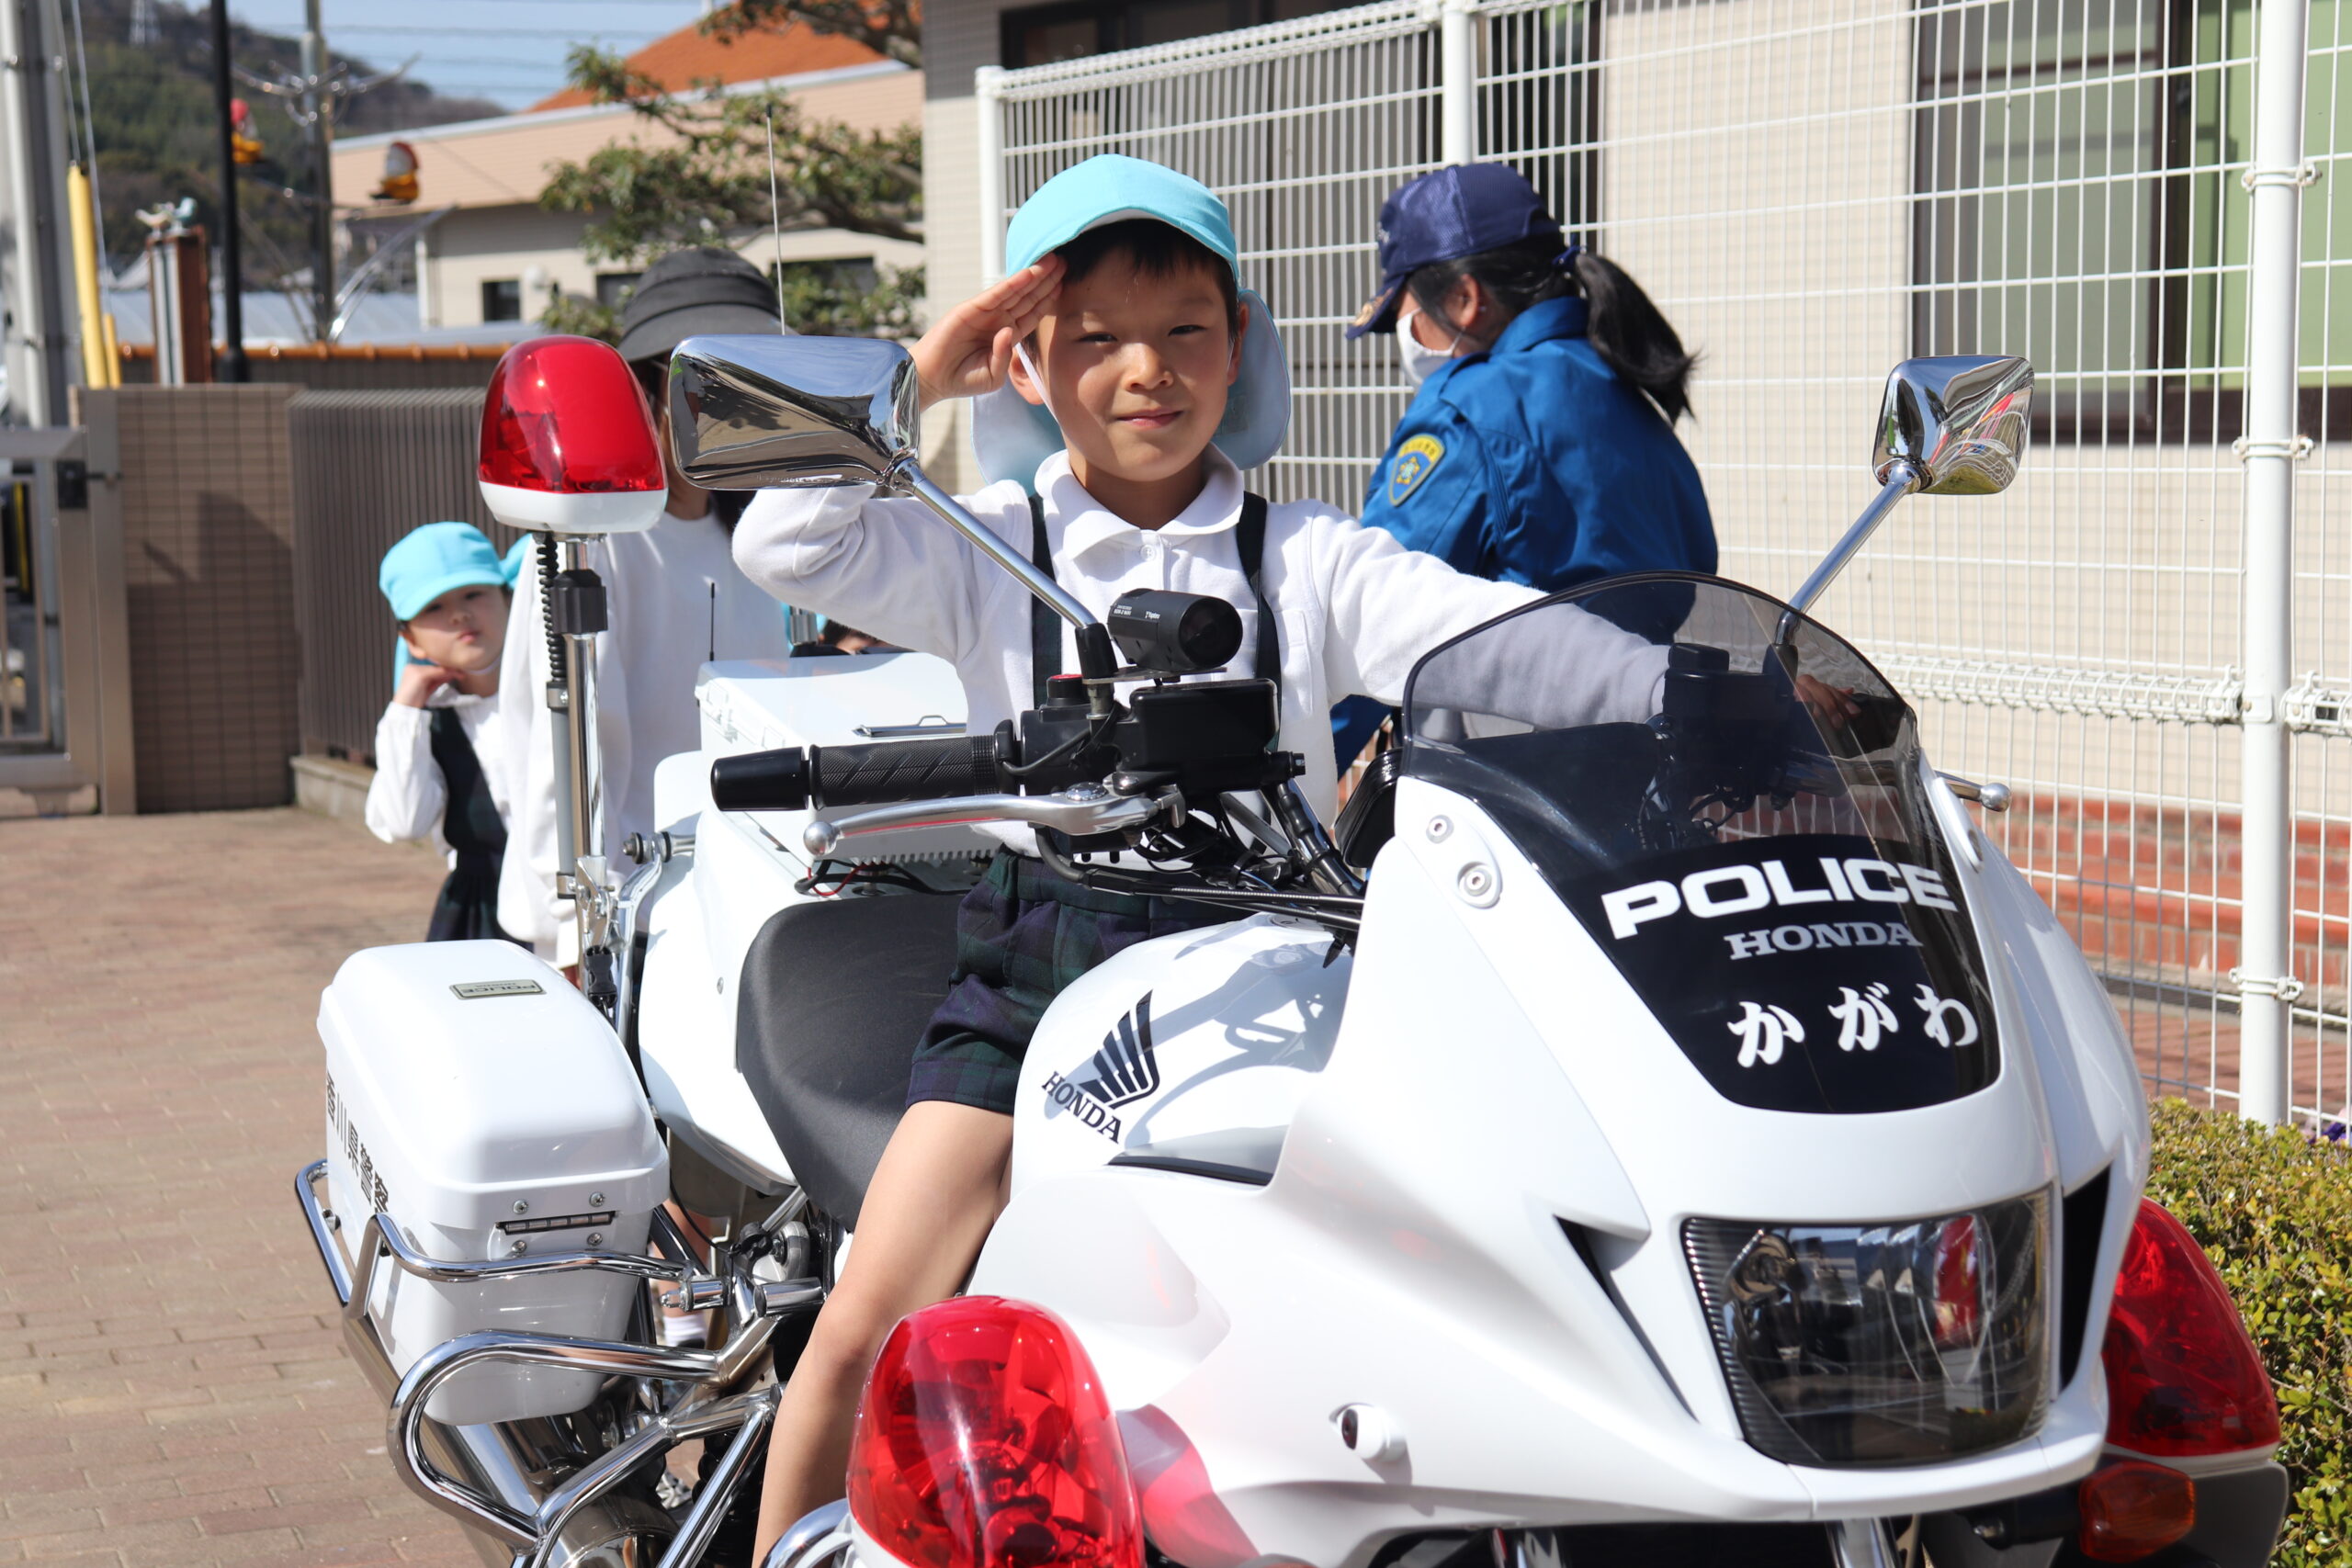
(1476, 1225)
(1753, 842)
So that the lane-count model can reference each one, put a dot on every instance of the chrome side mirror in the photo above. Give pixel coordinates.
(1959, 421)
(751, 412)
(761, 412)
(1949, 427)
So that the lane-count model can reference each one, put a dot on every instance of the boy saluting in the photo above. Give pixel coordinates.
(1127, 380)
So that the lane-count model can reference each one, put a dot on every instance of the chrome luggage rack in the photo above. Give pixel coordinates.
(490, 1491)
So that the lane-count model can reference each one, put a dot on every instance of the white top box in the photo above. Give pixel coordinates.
(478, 1078)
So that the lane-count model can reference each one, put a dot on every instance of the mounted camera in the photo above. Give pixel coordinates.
(1174, 634)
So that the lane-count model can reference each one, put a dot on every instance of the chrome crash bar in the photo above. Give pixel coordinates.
(1079, 810)
(421, 1449)
(525, 1532)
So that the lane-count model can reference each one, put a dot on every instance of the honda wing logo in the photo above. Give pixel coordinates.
(1124, 1070)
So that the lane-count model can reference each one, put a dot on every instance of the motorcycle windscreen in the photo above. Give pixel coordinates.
(1733, 804)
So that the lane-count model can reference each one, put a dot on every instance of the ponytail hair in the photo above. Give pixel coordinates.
(1626, 329)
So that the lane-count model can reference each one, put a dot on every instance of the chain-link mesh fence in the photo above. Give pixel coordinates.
(1813, 190)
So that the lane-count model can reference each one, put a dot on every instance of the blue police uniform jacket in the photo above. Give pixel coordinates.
(1535, 463)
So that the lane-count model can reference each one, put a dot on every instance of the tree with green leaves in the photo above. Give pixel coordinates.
(707, 176)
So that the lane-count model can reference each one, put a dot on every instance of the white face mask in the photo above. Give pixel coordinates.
(1421, 361)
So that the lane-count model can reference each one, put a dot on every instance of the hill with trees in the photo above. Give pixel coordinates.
(151, 110)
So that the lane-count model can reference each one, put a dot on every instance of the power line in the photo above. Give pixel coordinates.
(432, 62)
(540, 33)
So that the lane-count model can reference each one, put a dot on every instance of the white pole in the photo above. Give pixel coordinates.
(987, 83)
(2265, 983)
(1457, 66)
(37, 340)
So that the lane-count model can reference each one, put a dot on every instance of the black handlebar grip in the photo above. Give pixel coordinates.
(903, 770)
(761, 781)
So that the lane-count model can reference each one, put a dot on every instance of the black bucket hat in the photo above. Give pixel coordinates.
(687, 293)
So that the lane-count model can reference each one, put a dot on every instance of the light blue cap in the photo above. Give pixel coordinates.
(433, 559)
(1112, 189)
(1010, 435)
(515, 557)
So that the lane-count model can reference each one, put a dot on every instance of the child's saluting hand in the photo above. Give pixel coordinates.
(969, 352)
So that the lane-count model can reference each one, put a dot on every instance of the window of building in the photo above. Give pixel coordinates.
(1040, 35)
(501, 299)
(613, 288)
(2039, 148)
(2076, 166)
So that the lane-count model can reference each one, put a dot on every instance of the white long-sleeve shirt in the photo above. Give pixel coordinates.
(1357, 608)
(673, 596)
(407, 795)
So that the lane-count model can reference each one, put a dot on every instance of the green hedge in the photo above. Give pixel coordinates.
(2273, 1210)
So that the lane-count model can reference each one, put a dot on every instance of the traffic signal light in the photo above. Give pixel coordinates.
(400, 174)
(244, 147)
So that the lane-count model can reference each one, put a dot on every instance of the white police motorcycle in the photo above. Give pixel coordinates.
(1683, 1139)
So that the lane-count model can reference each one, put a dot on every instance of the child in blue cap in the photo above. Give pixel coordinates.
(448, 590)
(1126, 380)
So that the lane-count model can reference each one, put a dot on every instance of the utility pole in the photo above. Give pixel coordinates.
(310, 96)
(232, 271)
(318, 111)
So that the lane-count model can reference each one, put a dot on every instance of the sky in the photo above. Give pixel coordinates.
(508, 50)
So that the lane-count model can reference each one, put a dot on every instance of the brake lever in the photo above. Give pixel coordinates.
(1079, 810)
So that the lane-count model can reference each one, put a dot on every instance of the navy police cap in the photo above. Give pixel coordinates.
(1457, 212)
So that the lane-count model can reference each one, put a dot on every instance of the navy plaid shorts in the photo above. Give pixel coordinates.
(1022, 936)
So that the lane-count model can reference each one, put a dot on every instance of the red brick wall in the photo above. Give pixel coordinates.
(2151, 892)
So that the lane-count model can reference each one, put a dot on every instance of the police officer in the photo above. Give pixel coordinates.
(1540, 446)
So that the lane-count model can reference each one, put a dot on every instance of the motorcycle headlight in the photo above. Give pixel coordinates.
(1893, 1343)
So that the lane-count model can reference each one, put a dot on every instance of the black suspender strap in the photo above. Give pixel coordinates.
(1045, 624)
(1248, 538)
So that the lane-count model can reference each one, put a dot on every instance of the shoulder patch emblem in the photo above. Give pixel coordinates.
(1414, 461)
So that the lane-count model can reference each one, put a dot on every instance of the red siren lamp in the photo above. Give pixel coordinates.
(985, 1440)
(567, 445)
(2183, 1377)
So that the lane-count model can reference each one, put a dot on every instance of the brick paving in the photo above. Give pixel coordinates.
(173, 1385)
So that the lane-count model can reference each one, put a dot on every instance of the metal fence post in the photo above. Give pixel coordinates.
(2265, 982)
(988, 86)
(1457, 67)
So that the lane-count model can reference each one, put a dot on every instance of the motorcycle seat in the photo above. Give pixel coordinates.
(833, 998)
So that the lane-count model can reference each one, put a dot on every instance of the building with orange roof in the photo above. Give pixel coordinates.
(496, 255)
(690, 56)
